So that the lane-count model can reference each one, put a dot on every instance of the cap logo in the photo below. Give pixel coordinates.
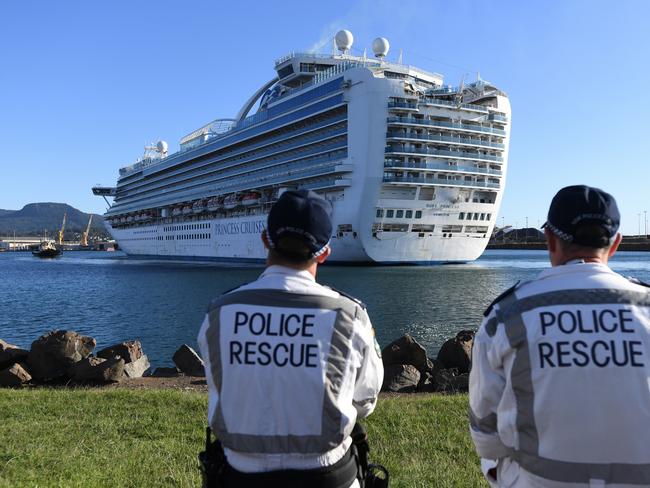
(581, 217)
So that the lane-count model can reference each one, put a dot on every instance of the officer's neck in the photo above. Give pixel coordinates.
(310, 267)
(562, 258)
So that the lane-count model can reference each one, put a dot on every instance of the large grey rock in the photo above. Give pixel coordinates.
(53, 353)
(451, 381)
(10, 354)
(188, 361)
(163, 372)
(137, 368)
(400, 378)
(406, 350)
(14, 376)
(98, 370)
(130, 351)
(457, 352)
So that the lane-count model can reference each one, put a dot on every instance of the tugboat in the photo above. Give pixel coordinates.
(47, 249)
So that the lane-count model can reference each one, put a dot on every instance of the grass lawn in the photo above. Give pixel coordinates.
(60, 437)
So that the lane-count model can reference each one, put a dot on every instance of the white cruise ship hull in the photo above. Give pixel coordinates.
(413, 177)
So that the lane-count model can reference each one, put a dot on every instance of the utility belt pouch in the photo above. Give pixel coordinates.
(370, 475)
(212, 462)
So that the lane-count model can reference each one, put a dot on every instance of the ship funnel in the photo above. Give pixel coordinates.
(380, 47)
(343, 39)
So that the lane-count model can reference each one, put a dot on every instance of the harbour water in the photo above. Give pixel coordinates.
(114, 298)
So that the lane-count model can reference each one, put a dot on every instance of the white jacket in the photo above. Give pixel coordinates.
(290, 365)
(560, 381)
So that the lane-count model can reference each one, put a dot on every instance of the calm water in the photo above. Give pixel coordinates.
(113, 298)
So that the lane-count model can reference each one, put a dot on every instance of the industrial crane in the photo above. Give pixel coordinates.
(65, 216)
(84, 236)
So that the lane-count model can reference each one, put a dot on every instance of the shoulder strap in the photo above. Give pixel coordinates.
(509, 291)
(355, 300)
(637, 281)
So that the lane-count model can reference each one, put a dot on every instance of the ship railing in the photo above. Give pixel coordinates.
(443, 167)
(438, 181)
(442, 152)
(498, 117)
(459, 140)
(448, 103)
(402, 105)
(440, 123)
(335, 151)
(271, 176)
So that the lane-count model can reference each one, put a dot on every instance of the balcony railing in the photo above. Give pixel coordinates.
(442, 152)
(448, 103)
(402, 105)
(440, 123)
(498, 117)
(442, 167)
(457, 140)
(438, 181)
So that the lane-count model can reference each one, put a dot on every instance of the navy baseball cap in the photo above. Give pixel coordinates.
(574, 206)
(301, 213)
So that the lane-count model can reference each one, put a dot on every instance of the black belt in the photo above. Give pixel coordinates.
(339, 475)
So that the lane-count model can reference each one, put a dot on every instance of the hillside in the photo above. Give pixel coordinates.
(34, 218)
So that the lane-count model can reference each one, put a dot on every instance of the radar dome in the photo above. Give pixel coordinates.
(380, 47)
(344, 39)
(161, 146)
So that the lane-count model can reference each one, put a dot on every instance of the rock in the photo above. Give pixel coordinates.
(130, 351)
(165, 372)
(98, 370)
(451, 381)
(402, 378)
(406, 350)
(137, 368)
(188, 361)
(53, 353)
(457, 352)
(10, 354)
(14, 376)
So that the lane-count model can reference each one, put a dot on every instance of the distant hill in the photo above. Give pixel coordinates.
(34, 218)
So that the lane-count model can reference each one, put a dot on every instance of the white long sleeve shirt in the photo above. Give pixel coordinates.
(559, 387)
(290, 366)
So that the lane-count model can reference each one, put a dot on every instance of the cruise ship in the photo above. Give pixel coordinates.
(415, 168)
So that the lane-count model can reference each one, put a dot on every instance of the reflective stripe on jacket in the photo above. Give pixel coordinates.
(559, 387)
(290, 366)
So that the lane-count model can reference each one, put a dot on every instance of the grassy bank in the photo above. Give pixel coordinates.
(147, 438)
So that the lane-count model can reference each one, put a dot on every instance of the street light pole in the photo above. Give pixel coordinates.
(639, 219)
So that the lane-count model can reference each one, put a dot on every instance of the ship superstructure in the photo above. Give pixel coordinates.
(415, 169)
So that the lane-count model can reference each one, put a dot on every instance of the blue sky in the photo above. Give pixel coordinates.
(85, 85)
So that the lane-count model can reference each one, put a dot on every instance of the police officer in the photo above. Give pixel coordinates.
(290, 364)
(559, 387)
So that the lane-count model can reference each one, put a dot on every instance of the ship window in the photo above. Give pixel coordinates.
(409, 214)
(476, 216)
(487, 217)
(418, 214)
(469, 215)
(380, 213)
(400, 214)
(482, 216)
(390, 213)
(461, 216)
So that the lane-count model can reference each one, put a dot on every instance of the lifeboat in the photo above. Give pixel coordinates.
(198, 207)
(213, 204)
(251, 198)
(176, 212)
(230, 202)
(187, 210)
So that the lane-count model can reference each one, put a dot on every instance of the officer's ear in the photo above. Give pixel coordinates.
(323, 257)
(265, 240)
(614, 247)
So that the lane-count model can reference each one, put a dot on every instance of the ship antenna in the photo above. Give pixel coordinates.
(399, 60)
